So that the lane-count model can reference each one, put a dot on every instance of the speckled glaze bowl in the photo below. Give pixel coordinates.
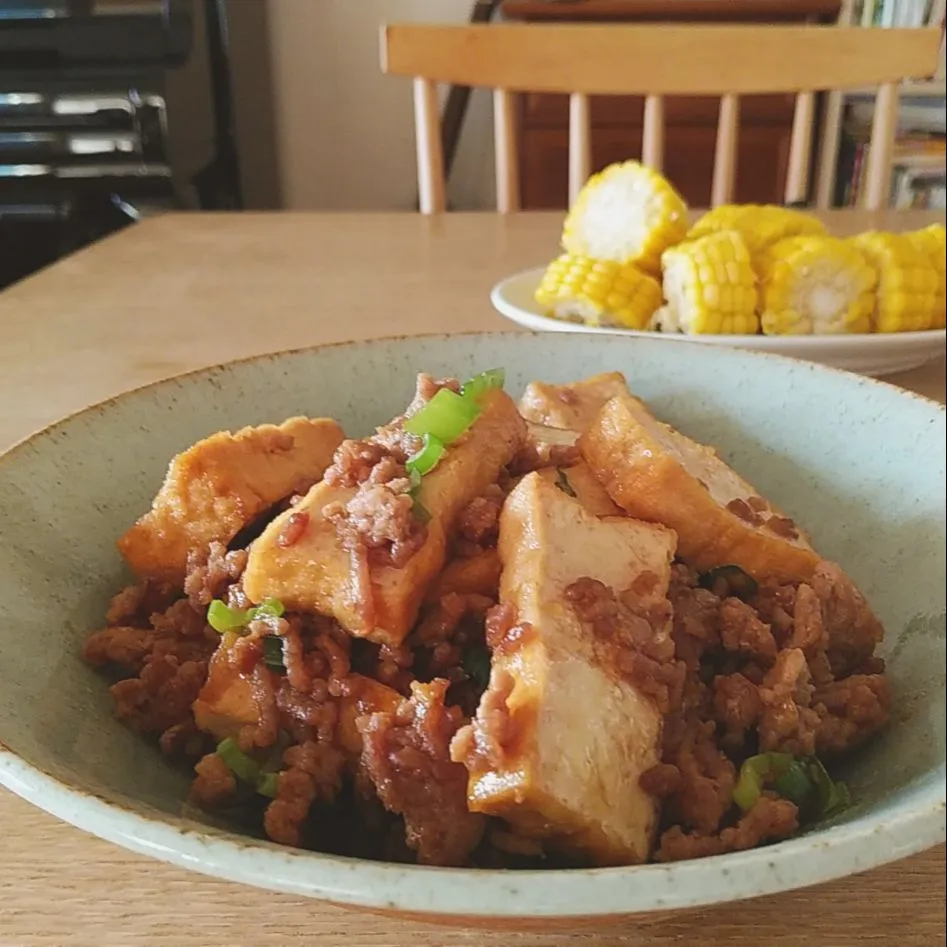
(860, 464)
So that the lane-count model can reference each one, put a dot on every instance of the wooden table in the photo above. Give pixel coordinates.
(178, 292)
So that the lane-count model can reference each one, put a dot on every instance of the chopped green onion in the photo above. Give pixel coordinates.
(241, 765)
(273, 653)
(221, 617)
(833, 796)
(446, 416)
(414, 477)
(755, 771)
(475, 660)
(562, 482)
(805, 782)
(480, 384)
(795, 784)
(267, 784)
(269, 608)
(421, 511)
(246, 769)
(740, 584)
(426, 459)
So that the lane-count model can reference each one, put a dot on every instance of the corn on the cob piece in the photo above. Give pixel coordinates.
(815, 286)
(628, 213)
(906, 296)
(599, 292)
(932, 241)
(709, 286)
(760, 225)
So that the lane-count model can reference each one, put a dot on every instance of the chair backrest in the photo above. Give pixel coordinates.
(655, 61)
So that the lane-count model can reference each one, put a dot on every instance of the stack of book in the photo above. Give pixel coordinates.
(918, 168)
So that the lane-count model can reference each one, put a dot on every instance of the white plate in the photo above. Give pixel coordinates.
(866, 354)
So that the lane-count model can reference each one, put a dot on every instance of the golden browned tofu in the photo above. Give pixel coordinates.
(475, 575)
(225, 704)
(578, 481)
(220, 485)
(318, 573)
(570, 407)
(562, 735)
(657, 474)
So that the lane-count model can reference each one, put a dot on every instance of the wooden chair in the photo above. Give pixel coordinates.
(655, 61)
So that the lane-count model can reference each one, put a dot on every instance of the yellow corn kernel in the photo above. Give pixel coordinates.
(815, 286)
(906, 296)
(932, 241)
(709, 286)
(598, 292)
(627, 213)
(760, 225)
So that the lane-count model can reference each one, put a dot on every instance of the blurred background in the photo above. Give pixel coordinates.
(113, 110)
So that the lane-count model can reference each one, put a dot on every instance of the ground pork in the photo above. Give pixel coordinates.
(850, 710)
(134, 604)
(737, 707)
(161, 696)
(210, 570)
(741, 630)
(631, 640)
(313, 775)
(483, 743)
(478, 522)
(407, 756)
(853, 630)
(787, 723)
(696, 624)
(214, 783)
(707, 776)
(453, 623)
(769, 819)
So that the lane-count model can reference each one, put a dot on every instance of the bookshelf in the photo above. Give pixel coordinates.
(915, 97)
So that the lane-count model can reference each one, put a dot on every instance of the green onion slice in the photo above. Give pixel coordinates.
(246, 769)
(221, 617)
(426, 459)
(562, 482)
(241, 765)
(805, 782)
(268, 608)
(795, 784)
(755, 771)
(267, 784)
(446, 416)
(273, 653)
(479, 385)
(833, 796)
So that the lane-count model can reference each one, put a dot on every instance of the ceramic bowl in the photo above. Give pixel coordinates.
(859, 463)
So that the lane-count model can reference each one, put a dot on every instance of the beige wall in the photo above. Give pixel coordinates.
(345, 132)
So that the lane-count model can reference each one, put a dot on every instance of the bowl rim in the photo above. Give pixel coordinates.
(915, 821)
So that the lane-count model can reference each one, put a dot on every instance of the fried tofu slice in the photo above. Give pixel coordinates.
(577, 480)
(570, 407)
(657, 474)
(317, 573)
(561, 736)
(225, 704)
(474, 575)
(220, 485)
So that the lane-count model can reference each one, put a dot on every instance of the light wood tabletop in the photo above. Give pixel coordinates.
(183, 291)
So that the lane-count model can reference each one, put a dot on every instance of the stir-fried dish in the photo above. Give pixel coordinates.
(491, 634)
